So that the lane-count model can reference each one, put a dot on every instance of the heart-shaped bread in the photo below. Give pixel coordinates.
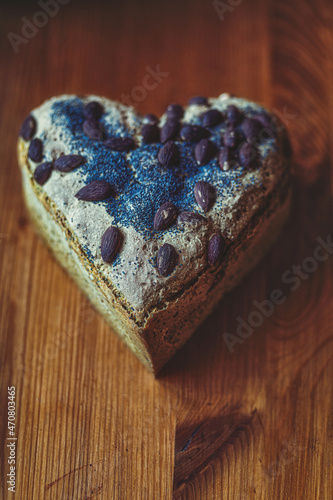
(155, 219)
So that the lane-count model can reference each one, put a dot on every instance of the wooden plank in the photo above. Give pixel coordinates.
(91, 422)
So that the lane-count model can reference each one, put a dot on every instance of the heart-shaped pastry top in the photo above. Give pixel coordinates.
(141, 181)
(151, 203)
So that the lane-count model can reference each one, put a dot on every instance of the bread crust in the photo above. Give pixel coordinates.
(157, 332)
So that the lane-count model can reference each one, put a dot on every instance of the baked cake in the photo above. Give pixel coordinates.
(155, 219)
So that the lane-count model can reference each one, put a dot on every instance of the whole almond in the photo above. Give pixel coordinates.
(248, 155)
(231, 137)
(186, 218)
(93, 129)
(95, 191)
(120, 144)
(93, 110)
(233, 114)
(166, 259)
(204, 195)
(204, 151)
(175, 111)
(169, 130)
(168, 154)
(66, 163)
(193, 133)
(150, 133)
(165, 216)
(212, 118)
(216, 248)
(225, 159)
(43, 172)
(110, 243)
(250, 128)
(35, 151)
(28, 128)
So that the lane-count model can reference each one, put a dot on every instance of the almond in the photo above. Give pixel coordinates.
(193, 133)
(43, 172)
(175, 111)
(186, 218)
(66, 163)
(166, 259)
(169, 130)
(205, 151)
(165, 216)
(216, 248)
(35, 151)
(168, 154)
(95, 191)
(248, 155)
(150, 133)
(93, 110)
(212, 118)
(110, 243)
(120, 143)
(93, 129)
(28, 128)
(204, 195)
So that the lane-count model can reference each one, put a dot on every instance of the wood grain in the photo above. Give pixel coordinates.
(91, 422)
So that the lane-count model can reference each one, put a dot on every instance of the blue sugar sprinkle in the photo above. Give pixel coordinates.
(140, 183)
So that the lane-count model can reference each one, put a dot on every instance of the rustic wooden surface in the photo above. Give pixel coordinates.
(91, 422)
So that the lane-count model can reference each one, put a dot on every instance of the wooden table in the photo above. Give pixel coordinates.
(91, 422)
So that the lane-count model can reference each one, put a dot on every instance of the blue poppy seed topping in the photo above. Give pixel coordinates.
(140, 182)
